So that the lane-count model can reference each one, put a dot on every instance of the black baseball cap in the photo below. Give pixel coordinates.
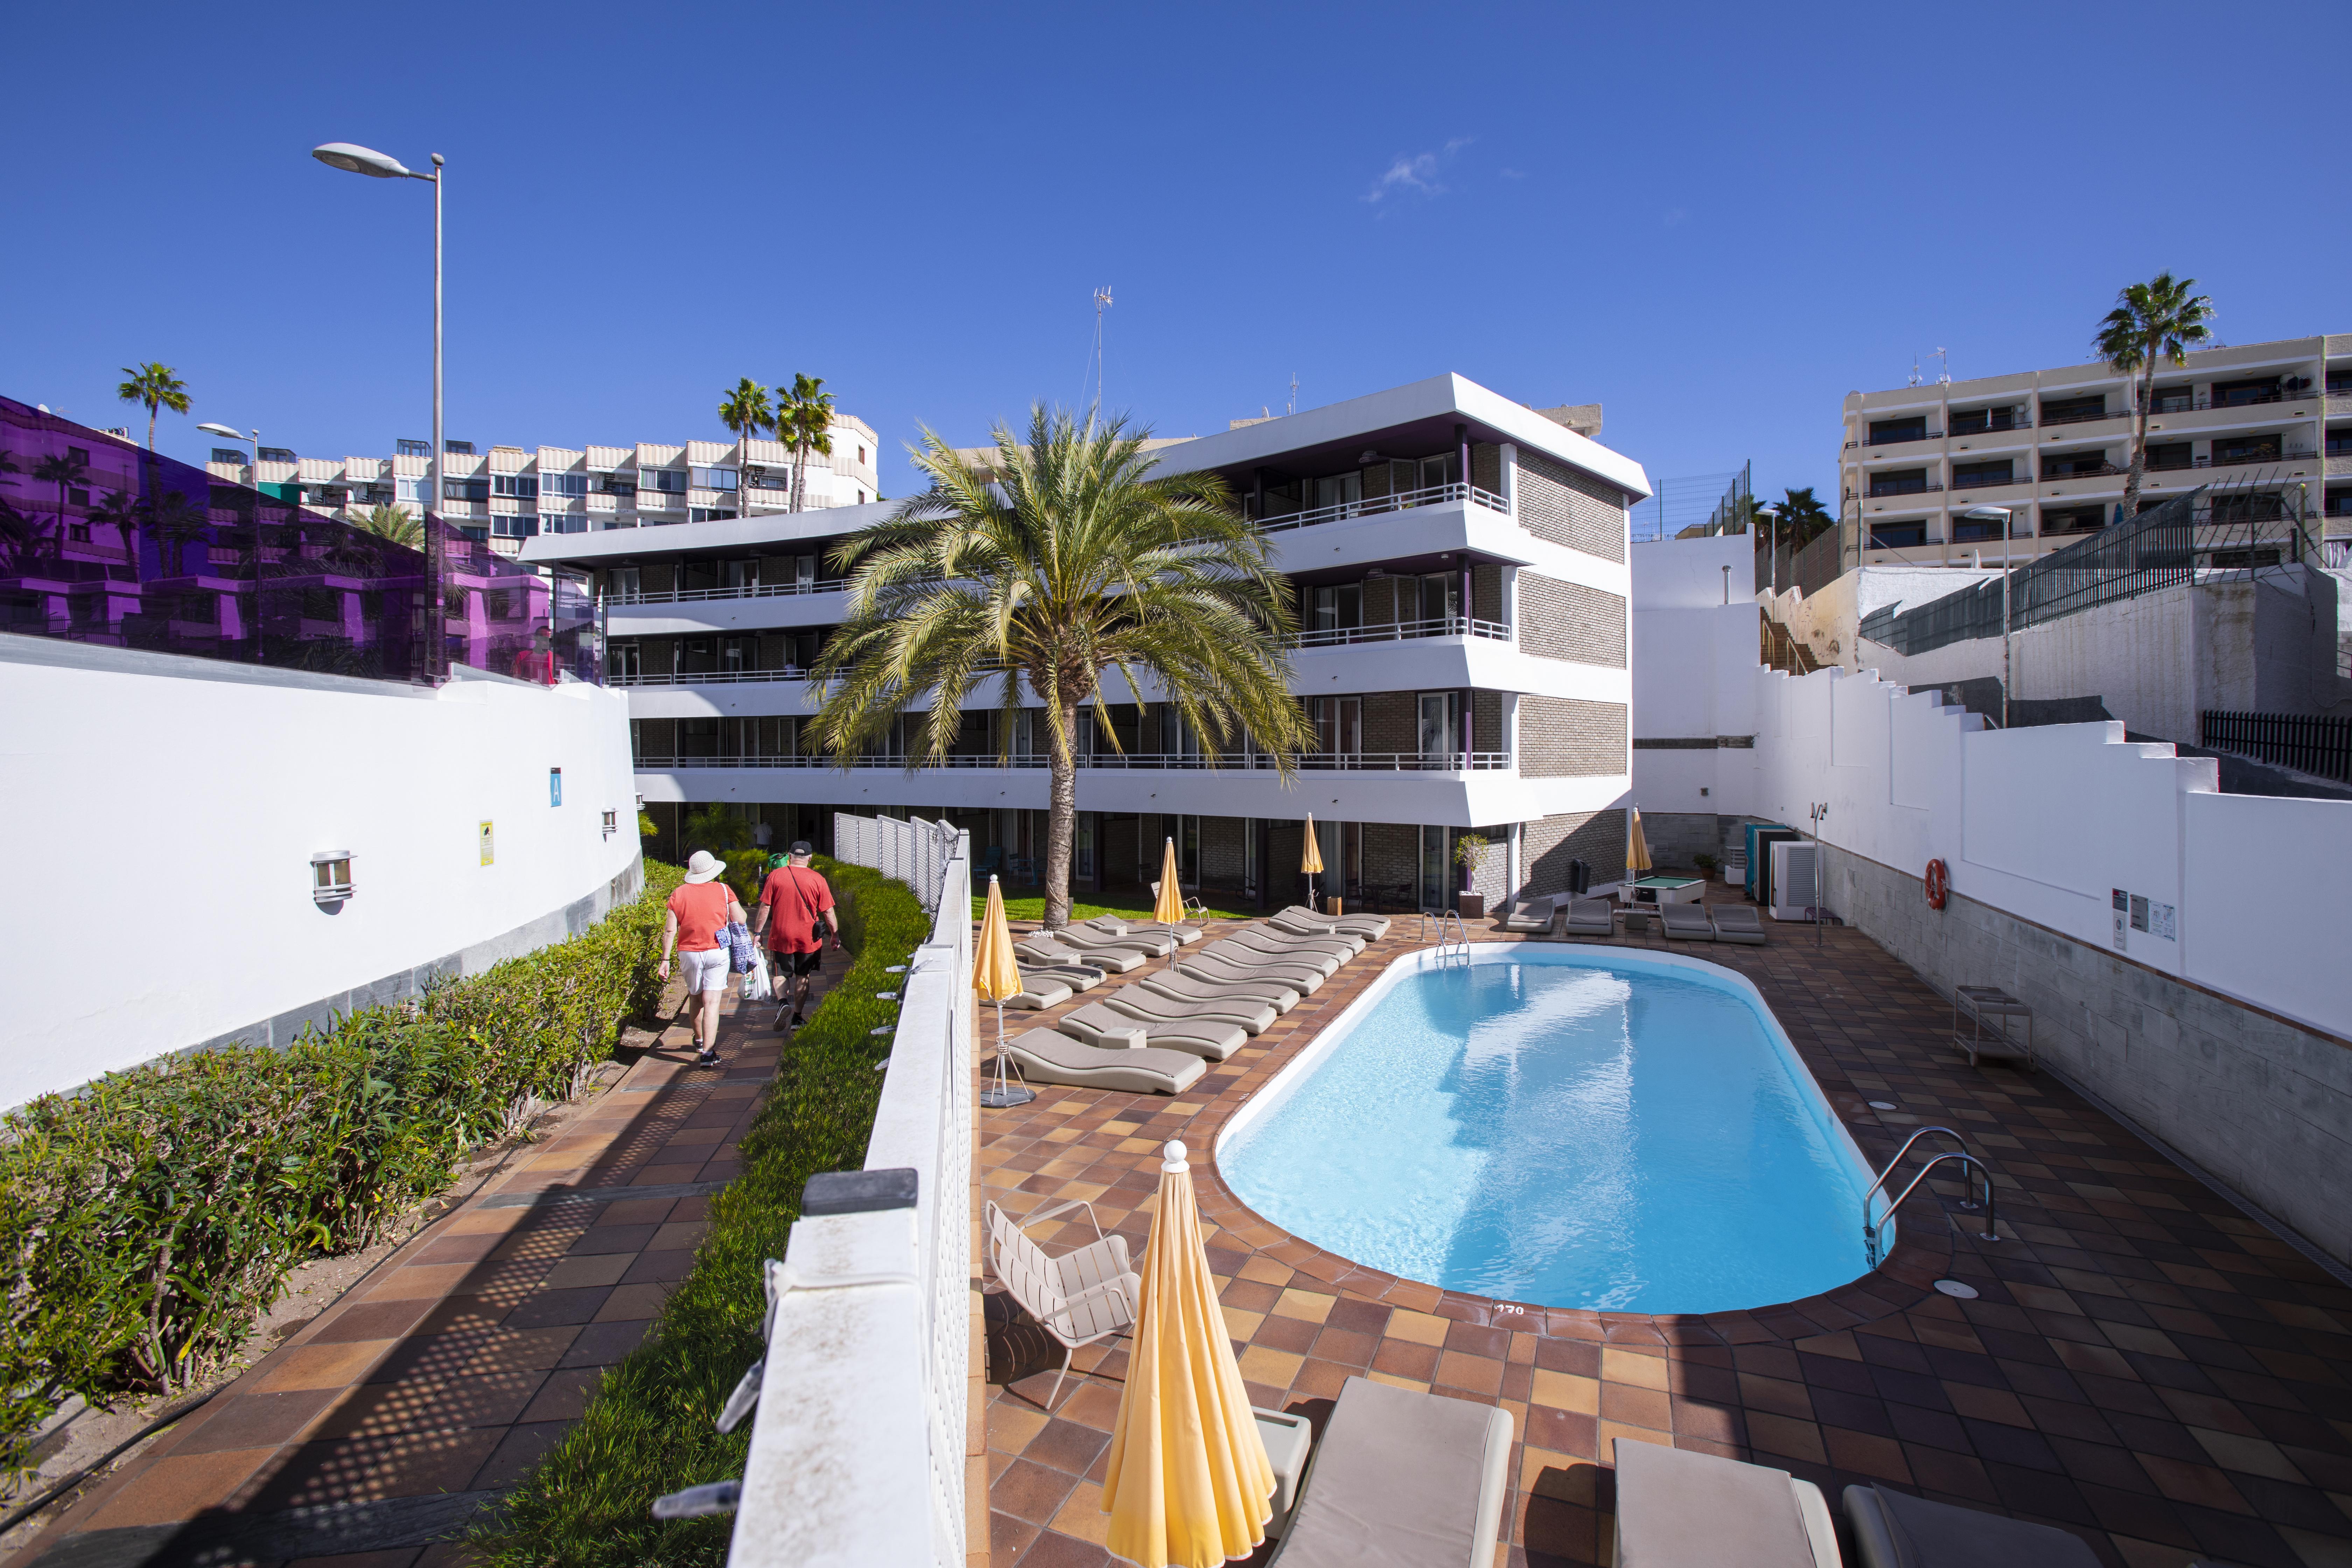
(801, 847)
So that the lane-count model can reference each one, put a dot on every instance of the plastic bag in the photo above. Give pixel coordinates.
(755, 983)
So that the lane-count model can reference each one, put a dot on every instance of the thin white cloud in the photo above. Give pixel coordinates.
(1415, 176)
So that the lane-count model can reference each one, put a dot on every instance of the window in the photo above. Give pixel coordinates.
(81, 454)
(1436, 471)
(76, 496)
(1435, 894)
(861, 456)
(616, 484)
(1899, 535)
(458, 449)
(278, 454)
(708, 514)
(522, 486)
(564, 484)
(2340, 383)
(2247, 450)
(1338, 725)
(407, 447)
(1440, 726)
(465, 490)
(714, 479)
(1441, 595)
(1975, 476)
(1338, 607)
(2238, 393)
(2065, 410)
(1340, 490)
(2165, 454)
(1982, 421)
(1971, 529)
(565, 522)
(2339, 442)
(669, 481)
(2172, 400)
(1910, 427)
(411, 488)
(2073, 519)
(1899, 482)
(229, 454)
(522, 525)
(2074, 465)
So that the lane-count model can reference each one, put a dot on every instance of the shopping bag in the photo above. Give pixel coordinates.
(755, 983)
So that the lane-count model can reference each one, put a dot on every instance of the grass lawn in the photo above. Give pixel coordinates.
(1029, 904)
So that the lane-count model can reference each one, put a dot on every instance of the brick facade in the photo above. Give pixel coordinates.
(1223, 846)
(1486, 467)
(1562, 505)
(1546, 846)
(1485, 720)
(1391, 858)
(1486, 591)
(1564, 737)
(1571, 621)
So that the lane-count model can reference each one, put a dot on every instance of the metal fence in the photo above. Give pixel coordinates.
(1712, 503)
(2206, 530)
(2306, 742)
(859, 1451)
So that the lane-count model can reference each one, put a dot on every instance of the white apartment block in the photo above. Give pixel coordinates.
(1461, 563)
(508, 494)
(2052, 448)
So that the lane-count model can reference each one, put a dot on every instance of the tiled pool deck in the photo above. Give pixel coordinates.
(2144, 1365)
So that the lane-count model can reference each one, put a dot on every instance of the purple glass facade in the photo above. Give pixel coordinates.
(102, 543)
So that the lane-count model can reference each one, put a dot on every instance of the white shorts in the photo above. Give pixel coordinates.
(705, 970)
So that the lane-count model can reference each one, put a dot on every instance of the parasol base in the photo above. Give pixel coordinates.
(1006, 1098)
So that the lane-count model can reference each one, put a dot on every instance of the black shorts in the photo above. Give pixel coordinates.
(797, 964)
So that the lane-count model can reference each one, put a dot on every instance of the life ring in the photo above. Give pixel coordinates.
(1940, 884)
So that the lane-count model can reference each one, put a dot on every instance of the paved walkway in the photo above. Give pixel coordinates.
(438, 1381)
(2144, 1366)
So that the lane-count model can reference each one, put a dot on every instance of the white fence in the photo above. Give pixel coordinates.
(858, 1454)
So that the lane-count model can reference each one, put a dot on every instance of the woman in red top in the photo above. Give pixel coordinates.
(698, 911)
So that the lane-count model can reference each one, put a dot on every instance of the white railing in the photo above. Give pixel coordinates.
(1433, 495)
(1174, 761)
(859, 1448)
(1393, 631)
(749, 591)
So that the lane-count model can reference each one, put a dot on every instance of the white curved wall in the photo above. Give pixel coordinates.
(162, 813)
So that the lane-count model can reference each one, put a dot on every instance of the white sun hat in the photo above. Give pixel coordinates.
(701, 868)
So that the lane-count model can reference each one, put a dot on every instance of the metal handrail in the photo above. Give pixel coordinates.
(1870, 1229)
(1441, 917)
(1393, 631)
(1431, 495)
(1320, 762)
(752, 591)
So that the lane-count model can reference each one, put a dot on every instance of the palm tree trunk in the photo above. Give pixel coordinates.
(2139, 445)
(1061, 817)
(151, 429)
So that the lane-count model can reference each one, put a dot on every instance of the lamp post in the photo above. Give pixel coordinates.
(1772, 550)
(254, 436)
(1999, 514)
(357, 160)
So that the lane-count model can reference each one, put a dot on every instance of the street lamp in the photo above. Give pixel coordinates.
(1999, 514)
(1772, 550)
(357, 160)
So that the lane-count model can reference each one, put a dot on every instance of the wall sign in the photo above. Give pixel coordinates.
(2138, 912)
(490, 846)
(555, 786)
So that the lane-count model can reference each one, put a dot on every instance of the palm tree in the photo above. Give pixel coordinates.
(1047, 565)
(745, 410)
(177, 522)
(1803, 518)
(61, 469)
(157, 387)
(2153, 320)
(389, 522)
(121, 511)
(804, 422)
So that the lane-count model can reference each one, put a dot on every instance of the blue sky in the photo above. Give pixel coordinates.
(1716, 220)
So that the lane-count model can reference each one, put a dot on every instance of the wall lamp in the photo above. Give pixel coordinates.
(331, 876)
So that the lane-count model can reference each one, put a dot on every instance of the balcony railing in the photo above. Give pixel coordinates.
(1986, 481)
(2015, 421)
(2084, 416)
(2079, 471)
(1431, 495)
(1437, 627)
(1928, 487)
(2182, 402)
(1877, 440)
(754, 591)
(1139, 761)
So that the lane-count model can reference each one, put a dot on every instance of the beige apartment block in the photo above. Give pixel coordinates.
(508, 494)
(2052, 448)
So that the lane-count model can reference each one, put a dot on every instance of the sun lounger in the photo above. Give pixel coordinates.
(1037, 992)
(1208, 1038)
(1305, 978)
(1402, 1477)
(1111, 925)
(1589, 917)
(1895, 1530)
(1148, 1006)
(1372, 928)
(1179, 987)
(1045, 1056)
(1534, 915)
(1680, 1508)
(1152, 944)
(1687, 923)
(1736, 922)
(1284, 928)
(1047, 949)
(1245, 950)
(1345, 943)
(1077, 976)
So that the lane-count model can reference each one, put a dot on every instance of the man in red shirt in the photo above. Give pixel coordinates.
(795, 897)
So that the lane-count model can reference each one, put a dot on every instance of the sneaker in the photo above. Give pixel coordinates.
(780, 1019)
(797, 1022)
(706, 1058)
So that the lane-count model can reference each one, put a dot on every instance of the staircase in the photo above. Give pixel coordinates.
(1784, 653)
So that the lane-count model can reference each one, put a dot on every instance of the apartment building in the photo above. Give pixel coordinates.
(508, 494)
(1924, 469)
(1461, 563)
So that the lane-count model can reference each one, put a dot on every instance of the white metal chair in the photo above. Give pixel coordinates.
(1190, 898)
(1078, 1298)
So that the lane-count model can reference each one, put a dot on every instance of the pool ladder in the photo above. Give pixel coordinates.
(1446, 948)
(1968, 1162)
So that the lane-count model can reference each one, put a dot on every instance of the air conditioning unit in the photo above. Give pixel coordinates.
(1792, 880)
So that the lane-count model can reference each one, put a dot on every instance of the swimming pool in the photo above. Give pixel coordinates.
(1574, 1127)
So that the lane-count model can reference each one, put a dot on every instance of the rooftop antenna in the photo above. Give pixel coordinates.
(1945, 379)
(1102, 303)
(1914, 370)
(1292, 407)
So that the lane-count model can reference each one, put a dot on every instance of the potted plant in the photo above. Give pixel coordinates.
(1469, 851)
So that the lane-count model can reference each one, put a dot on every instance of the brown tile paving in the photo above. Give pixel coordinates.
(2143, 1364)
(465, 1355)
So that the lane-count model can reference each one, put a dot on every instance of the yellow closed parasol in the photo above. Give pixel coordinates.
(1310, 860)
(1189, 1480)
(1168, 907)
(996, 974)
(1637, 845)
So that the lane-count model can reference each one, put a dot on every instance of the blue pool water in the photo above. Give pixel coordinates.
(1573, 1127)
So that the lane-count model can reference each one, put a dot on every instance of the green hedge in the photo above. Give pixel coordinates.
(147, 1220)
(648, 1429)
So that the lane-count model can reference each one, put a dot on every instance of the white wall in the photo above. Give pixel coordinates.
(2045, 823)
(162, 826)
(1692, 655)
